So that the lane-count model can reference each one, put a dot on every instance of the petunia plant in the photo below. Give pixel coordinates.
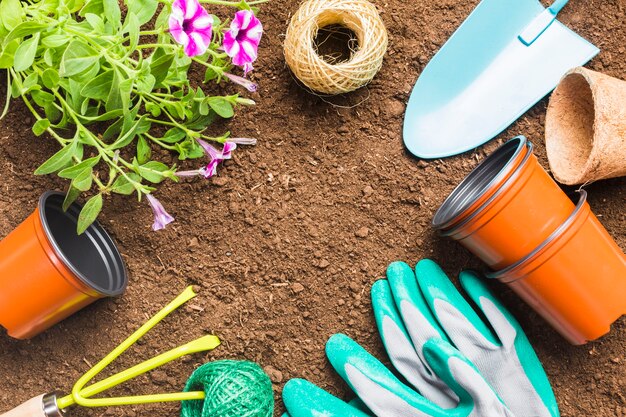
(110, 85)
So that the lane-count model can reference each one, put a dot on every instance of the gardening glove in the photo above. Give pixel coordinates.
(385, 395)
(436, 310)
(411, 309)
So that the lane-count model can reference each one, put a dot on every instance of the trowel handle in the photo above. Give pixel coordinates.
(556, 7)
(41, 406)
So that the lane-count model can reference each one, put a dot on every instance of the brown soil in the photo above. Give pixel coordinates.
(286, 241)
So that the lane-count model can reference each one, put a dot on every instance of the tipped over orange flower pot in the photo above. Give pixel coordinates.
(576, 279)
(506, 206)
(48, 272)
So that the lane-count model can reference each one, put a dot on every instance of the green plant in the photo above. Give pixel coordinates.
(109, 91)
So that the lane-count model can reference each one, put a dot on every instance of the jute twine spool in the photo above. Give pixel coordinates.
(586, 127)
(232, 389)
(361, 17)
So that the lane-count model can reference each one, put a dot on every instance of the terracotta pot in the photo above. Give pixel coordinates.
(48, 272)
(586, 127)
(576, 279)
(505, 208)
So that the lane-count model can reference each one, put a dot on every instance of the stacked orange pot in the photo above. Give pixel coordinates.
(555, 254)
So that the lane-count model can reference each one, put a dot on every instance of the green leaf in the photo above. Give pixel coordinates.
(143, 126)
(132, 26)
(50, 78)
(203, 109)
(78, 57)
(55, 40)
(95, 21)
(153, 108)
(221, 106)
(154, 171)
(210, 75)
(146, 84)
(40, 126)
(173, 135)
(73, 171)
(143, 150)
(70, 197)
(126, 88)
(114, 100)
(25, 53)
(92, 6)
(49, 58)
(123, 186)
(99, 87)
(112, 11)
(58, 160)
(10, 13)
(7, 55)
(143, 9)
(89, 213)
(42, 98)
(127, 137)
(201, 122)
(83, 180)
(52, 113)
(24, 29)
(160, 63)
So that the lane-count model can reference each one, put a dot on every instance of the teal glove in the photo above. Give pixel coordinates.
(416, 320)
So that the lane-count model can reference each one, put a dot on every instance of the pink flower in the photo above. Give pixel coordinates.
(249, 85)
(210, 169)
(241, 42)
(216, 155)
(210, 150)
(191, 26)
(161, 217)
(228, 149)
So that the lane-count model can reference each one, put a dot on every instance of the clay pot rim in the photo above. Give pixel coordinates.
(100, 239)
(450, 210)
(553, 239)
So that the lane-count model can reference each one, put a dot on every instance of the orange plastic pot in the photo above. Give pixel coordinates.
(482, 183)
(576, 279)
(48, 272)
(502, 217)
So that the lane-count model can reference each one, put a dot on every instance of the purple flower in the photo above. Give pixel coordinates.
(210, 150)
(207, 171)
(228, 149)
(161, 217)
(249, 85)
(191, 26)
(216, 155)
(241, 42)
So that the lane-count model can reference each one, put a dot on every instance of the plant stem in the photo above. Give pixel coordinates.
(8, 97)
(158, 142)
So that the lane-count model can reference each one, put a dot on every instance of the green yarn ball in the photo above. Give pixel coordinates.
(232, 389)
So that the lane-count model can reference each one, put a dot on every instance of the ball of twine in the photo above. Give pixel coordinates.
(362, 18)
(232, 389)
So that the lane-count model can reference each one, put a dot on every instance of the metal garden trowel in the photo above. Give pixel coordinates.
(505, 57)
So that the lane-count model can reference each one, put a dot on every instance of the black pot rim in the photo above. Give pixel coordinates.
(462, 197)
(102, 242)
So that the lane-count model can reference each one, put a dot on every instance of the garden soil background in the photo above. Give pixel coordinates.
(284, 244)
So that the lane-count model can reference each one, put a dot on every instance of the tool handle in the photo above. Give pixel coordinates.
(556, 7)
(31, 408)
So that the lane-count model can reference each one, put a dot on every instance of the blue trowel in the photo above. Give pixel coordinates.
(506, 56)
